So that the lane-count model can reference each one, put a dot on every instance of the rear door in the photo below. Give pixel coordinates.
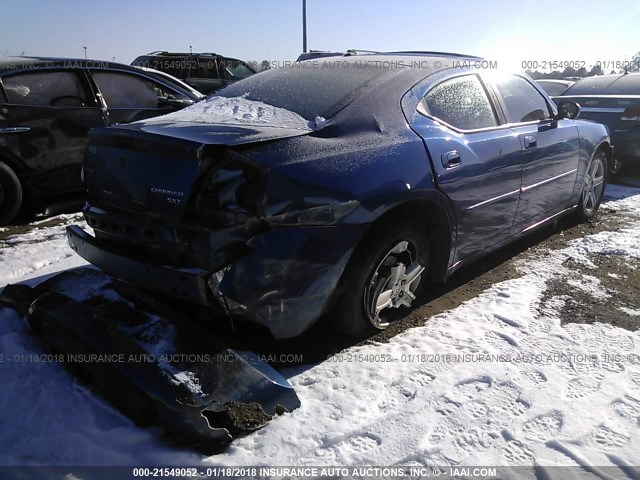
(550, 149)
(45, 123)
(476, 160)
(129, 97)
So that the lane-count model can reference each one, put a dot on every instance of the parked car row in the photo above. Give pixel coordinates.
(337, 192)
(613, 100)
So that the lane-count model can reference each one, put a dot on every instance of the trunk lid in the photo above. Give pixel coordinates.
(152, 168)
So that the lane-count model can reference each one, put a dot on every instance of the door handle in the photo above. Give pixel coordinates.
(14, 129)
(450, 159)
(530, 141)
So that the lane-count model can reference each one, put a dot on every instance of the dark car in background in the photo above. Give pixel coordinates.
(206, 72)
(554, 87)
(613, 100)
(300, 192)
(48, 106)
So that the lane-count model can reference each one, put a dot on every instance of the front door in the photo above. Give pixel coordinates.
(550, 149)
(477, 162)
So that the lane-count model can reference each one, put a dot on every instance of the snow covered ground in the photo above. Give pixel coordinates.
(496, 381)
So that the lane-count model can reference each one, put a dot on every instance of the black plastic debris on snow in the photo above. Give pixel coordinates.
(153, 363)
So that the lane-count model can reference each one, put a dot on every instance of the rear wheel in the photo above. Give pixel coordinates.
(593, 188)
(382, 279)
(10, 194)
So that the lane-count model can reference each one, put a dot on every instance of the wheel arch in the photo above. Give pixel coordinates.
(14, 163)
(436, 219)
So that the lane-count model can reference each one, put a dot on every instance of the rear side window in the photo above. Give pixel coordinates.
(121, 90)
(521, 100)
(52, 89)
(462, 103)
(207, 68)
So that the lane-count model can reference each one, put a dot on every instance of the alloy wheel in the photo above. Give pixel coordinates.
(593, 186)
(393, 283)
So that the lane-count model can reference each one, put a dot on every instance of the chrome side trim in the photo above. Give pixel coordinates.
(491, 200)
(14, 129)
(548, 180)
(603, 109)
(530, 227)
(520, 190)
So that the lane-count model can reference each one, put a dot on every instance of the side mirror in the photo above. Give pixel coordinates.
(568, 109)
(171, 101)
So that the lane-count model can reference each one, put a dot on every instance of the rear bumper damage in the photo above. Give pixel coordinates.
(155, 363)
(283, 280)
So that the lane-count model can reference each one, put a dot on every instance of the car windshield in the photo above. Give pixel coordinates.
(308, 89)
(553, 88)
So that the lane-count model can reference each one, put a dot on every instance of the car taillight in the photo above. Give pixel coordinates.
(631, 113)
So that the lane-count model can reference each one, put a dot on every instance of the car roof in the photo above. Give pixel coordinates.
(617, 83)
(420, 60)
(186, 54)
(555, 80)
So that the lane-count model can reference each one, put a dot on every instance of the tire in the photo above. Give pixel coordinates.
(395, 254)
(10, 194)
(615, 166)
(593, 187)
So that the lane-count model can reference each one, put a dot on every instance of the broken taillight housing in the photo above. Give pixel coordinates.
(232, 189)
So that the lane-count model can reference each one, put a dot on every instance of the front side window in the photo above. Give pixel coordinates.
(235, 69)
(122, 90)
(52, 89)
(462, 103)
(521, 100)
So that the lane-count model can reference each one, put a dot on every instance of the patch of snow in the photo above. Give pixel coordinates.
(189, 380)
(634, 312)
(38, 252)
(234, 111)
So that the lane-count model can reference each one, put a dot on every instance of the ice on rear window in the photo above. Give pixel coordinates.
(234, 111)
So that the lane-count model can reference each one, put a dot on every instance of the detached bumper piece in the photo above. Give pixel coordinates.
(155, 364)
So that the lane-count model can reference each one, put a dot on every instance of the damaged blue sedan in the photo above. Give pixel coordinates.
(335, 189)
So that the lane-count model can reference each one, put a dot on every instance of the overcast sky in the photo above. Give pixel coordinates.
(508, 31)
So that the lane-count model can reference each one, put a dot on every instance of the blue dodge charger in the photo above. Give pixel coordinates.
(336, 187)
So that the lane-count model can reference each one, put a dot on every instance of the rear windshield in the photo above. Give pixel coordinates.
(309, 91)
(616, 85)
